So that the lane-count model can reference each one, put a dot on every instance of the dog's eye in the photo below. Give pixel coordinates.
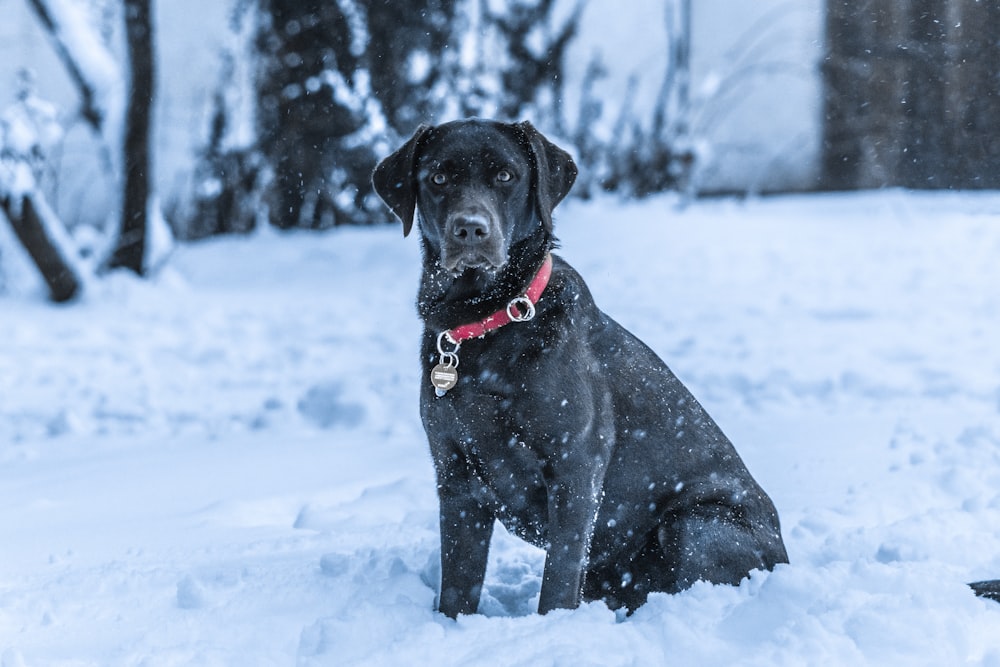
(439, 178)
(504, 176)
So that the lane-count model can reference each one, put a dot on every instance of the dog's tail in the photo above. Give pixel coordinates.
(987, 589)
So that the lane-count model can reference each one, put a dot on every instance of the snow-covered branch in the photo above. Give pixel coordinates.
(89, 62)
(28, 130)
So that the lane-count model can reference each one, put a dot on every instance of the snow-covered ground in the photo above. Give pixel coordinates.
(225, 466)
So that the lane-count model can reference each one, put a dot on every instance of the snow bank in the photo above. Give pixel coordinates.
(225, 466)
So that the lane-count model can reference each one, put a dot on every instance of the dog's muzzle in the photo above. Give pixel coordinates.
(472, 240)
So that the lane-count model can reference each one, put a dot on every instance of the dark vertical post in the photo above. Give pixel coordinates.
(130, 250)
(926, 122)
(842, 71)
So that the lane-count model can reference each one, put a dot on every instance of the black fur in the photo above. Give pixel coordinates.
(987, 589)
(566, 428)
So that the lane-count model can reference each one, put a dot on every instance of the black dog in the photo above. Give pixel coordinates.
(558, 422)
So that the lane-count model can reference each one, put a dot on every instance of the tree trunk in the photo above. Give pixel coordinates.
(130, 250)
(317, 117)
(62, 281)
(911, 94)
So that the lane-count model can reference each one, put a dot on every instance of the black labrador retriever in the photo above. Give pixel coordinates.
(558, 422)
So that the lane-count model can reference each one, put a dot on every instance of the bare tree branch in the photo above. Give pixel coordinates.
(31, 230)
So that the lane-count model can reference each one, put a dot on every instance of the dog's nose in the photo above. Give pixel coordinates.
(470, 228)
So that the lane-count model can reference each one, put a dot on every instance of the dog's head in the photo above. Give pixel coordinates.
(476, 187)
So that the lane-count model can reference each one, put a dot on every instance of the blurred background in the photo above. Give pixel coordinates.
(244, 113)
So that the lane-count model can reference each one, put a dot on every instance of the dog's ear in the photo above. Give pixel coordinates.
(395, 180)
(554, 174)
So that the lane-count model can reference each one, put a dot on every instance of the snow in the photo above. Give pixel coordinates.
(159, 240)
(29, 130)
(225, 465)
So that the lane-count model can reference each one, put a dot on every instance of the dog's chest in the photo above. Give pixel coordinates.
(496, 431)
(510, 480)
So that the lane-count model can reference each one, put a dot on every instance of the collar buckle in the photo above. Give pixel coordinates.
(521, 309)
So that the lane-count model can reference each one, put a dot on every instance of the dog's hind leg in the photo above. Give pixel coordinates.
(708, 543)
(626, 583)
(987, 589)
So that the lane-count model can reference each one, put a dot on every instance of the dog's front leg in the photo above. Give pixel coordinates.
(572, 510)
(466, 529)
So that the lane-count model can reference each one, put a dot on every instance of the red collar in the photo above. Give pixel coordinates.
(444, 376)
(520, 309)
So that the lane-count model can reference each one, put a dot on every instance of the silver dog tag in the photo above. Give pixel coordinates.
(444, 377)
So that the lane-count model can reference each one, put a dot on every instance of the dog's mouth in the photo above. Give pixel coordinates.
(458, 260)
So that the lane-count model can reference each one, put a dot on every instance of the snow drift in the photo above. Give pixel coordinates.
(226, 466)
